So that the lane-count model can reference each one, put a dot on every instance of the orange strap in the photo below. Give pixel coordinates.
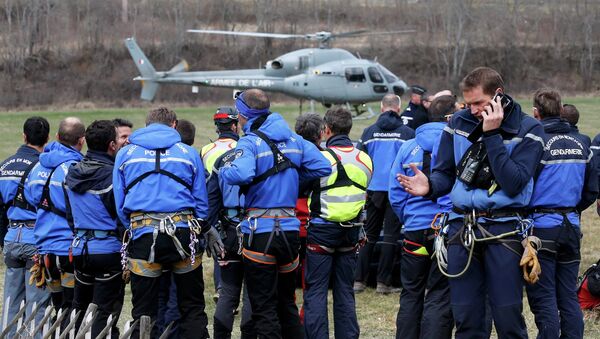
(287, 268)
(259, 257)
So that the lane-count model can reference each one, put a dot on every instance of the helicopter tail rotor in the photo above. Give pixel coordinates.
(147, 71)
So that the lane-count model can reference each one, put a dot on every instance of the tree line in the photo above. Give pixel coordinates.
(56, 52)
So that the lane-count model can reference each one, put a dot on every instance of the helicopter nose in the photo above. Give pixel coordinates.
(400, 87)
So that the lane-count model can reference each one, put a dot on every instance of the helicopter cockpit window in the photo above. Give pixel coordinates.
(375, 75)
(355, 74)
(389, 76)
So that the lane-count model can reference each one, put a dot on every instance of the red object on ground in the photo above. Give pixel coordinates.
(586, 300)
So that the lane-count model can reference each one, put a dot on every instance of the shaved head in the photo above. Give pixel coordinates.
(391, 102)
(70, 131)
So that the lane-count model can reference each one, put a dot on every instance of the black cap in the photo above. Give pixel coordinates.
(416, 89)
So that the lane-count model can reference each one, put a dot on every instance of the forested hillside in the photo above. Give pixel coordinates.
(57, 52)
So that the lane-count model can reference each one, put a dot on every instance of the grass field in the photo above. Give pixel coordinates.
(376, 313)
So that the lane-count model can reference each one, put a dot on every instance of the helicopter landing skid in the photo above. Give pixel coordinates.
(360, 113)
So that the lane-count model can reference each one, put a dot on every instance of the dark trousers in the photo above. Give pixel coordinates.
(98, 280)
(232, 276)
(425, 297)
(190, 286)
(494, 270)
(168, 312)
(232, 279)
(553, 299)
(379, 214)
(272, 294)
(321, 268)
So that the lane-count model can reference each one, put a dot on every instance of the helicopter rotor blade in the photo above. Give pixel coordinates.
(366, 33)
(251, 34)
(352, 33)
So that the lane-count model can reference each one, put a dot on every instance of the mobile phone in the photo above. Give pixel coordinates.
(504, 100)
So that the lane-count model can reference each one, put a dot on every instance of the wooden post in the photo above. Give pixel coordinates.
(30, 319)
(70, 329)
(88, 319)
(107, 330)
(145, 327)
(43, 325)
(5, 314)
(167, 330)
(129, 327)
(55, 328)
(17, 318)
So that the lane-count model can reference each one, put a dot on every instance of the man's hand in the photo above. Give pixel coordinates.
(417, 185)
(214, 245)
(493, 115)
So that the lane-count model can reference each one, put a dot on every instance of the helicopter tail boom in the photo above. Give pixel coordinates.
(147, 71)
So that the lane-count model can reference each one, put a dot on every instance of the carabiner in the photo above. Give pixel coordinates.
(439, 221)
(468, 235)
(75, 242)
(170, 227)
(192, 246)
(253, 227)
(240, 235)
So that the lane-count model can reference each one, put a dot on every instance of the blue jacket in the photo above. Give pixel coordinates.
(514, 151)
(417, 213)
(567, 171)
(158, 192)
(11, 172)
(254, 157)
(92, 203)
(220, 194)
(52, 232)
(587, 142)
(595, 147)
(381, 141)
(414, 116)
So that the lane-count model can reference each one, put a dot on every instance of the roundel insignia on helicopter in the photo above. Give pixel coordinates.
(327, 75)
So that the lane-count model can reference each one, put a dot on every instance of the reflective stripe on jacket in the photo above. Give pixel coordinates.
(341, 204)
(211, 152)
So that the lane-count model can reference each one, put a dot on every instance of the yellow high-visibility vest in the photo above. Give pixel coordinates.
(342, 200)
(211, 152)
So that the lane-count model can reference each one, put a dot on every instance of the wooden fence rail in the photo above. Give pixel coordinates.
(54, 326)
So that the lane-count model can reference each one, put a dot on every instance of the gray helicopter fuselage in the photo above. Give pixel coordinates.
(329, 76)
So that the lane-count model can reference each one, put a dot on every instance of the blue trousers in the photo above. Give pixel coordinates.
(553, 299)
(321, 268)
(17, 257)
(494, 270)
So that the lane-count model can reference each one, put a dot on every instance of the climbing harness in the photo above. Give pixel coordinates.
(467, 238)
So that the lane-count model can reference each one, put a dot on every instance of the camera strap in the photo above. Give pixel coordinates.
(476, 133)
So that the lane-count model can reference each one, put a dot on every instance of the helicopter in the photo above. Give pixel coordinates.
(331, 76)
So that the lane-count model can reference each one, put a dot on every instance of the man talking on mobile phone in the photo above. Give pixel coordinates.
(486, 160)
